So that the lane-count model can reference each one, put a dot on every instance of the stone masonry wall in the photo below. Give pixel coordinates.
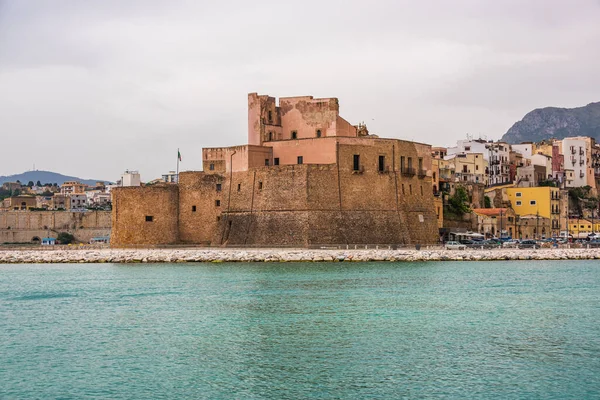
(23, 226)
(131, 206)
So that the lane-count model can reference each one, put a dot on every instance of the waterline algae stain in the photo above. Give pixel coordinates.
(301, 330)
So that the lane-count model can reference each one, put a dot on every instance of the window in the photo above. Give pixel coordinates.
(421, 190)
(518, 194)
(217, 203)
(218, 218)
(270, 135)
(300, 160)
(239, 187)
(294, 135)
(211, 167)
(260, 185)
(270, 116)
(276, 161)
(318, 133)
(532, 203)
(381, 165)
(518, 202)
(356, 162)
(467, 148)
(409, 189)
(420, 164)
(193, 208)
(149, 218)
(218, 187)
(477, 168)
(401, 163)
(266, 162)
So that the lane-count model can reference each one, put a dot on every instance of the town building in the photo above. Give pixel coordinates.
(20, 203)
(575, 150)
(306, 178)
(71, 187)
(131, 178)
(170, 177)
(537, 201)
(499, 163)
(77, 201)
(470, 167)
(495, 222)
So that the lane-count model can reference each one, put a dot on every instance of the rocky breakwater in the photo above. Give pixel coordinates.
(284, 255)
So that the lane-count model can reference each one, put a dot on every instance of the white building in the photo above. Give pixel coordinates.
(131, 178)
(470, 146)
(574, 150)
(171, 177)
(499, 163)
(544, 161)
(525, 149)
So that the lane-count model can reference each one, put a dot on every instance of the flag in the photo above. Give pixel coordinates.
(178, 155)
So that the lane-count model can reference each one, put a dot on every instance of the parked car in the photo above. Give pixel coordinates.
(511, 243)
(594, 243)
(593, 236)
(454, 246)
(529, 244)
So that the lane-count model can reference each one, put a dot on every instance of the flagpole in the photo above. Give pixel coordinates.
(177, 166)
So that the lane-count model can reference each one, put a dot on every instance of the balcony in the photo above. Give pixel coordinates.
(421, 173)
(573, 151)
(408, 172)
(581, 174)
(581, 152)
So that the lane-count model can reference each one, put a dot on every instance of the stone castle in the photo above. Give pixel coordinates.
(306, 178)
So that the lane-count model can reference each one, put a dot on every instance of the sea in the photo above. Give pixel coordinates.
(484, 330)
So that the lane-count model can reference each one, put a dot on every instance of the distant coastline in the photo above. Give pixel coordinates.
(105, 255)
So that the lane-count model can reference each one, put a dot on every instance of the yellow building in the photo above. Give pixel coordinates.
(580, 228)
(542, 201)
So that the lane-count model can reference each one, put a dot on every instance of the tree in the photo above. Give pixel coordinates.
(487, 201)
(65, 238)
(459, 203)
(38, 184)
(30, 184)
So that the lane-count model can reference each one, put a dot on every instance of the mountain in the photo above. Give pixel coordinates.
(46, 177)
(559, 123)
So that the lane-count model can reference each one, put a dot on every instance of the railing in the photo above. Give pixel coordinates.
(408, 172)
(422, 173)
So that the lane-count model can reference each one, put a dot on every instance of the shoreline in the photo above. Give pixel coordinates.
(124, 256)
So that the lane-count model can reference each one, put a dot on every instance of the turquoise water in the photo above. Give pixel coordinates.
(301, 330)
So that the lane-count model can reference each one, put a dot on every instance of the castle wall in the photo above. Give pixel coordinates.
(306, 115)
(23, 226)
(198, 208)
(131, 206)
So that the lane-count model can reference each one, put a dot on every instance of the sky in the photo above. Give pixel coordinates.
(92, 88)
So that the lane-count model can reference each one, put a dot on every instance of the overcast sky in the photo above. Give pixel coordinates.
(91, 88)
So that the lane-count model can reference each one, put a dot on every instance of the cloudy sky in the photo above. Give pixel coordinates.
(91, 88)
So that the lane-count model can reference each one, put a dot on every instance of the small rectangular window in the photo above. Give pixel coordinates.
(518, 194)
(239, 187)
(276, 161)
(356, 162)
(318, 133)
(518, 202)
(218, 187)
(409, 189)
(402, 164)
(260, 186)
(270, 116)
(532, 203)
(409, 164)
(294, 135)
(300, 160)
(149, 218)
(193, 208)
(421, 190)
(381, 166)
(211, 167)
(217, 203)
(218, 218)
(266, 162)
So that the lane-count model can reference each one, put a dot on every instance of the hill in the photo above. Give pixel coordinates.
(559, 123)
(46, 177)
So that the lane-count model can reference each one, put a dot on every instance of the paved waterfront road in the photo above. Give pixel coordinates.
(301, 330)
